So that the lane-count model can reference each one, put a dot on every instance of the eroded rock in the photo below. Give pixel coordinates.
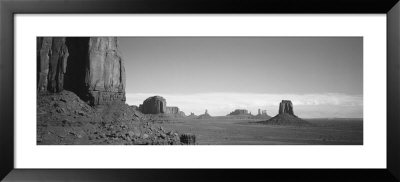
(239, 112)
(286, 116)
(52, 57)
(154, 105)
(188, 139)
(286, 106)
(91, 67)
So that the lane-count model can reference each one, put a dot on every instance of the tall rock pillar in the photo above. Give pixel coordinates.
(105, 76)
(286, 106)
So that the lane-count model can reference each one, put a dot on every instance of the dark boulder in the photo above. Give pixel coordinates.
(188, 139)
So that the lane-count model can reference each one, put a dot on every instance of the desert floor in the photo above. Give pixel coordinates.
(244, 132)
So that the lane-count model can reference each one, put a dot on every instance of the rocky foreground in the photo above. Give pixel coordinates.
(63, 118)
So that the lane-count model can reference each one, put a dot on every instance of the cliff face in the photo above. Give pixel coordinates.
(90, 67)
(286, 106)
(175, 111)
(52, 56)
(172, 110)
(105, 76)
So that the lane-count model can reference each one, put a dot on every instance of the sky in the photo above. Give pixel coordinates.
(323, 76)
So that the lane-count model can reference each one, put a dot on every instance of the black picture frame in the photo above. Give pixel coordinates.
(9, 8)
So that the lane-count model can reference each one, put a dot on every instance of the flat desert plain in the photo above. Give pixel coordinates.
(219, 131)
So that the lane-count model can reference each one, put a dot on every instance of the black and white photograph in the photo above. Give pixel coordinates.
(151, 91)
(199, 90)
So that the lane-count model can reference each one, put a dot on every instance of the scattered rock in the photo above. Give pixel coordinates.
(80, 113)
(60, 110)
(188, 139)
(131, 134)
(162, 135)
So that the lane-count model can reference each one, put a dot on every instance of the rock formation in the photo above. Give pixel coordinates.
(261, 115)
(175, 111)
(239, 112)
(52, 56)
(103, 81)
(286, 106)
(188, 139)
(172, 110)
(205, 115)
(286, 116)
(158, 105)
(262, 112)
(154, 105)
(75, 73)
(192, 115)
(181, 113)
(90, 67)
(135, 107)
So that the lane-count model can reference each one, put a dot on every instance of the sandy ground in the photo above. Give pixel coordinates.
(244, 132)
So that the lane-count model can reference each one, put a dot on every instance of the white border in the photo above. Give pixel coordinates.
(371, 155)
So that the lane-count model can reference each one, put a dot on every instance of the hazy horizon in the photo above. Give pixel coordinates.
(323, 76)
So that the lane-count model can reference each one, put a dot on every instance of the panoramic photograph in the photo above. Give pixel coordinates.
(199, 91)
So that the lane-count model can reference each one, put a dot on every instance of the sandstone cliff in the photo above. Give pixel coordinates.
(105, 77)
(90, 67)
(52, 55)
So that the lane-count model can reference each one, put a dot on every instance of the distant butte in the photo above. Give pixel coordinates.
(204, 116)
(239, 112)
(158, 105)
(286, 116)
(286, 106)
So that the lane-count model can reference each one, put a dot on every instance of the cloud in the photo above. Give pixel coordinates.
(305, 105)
